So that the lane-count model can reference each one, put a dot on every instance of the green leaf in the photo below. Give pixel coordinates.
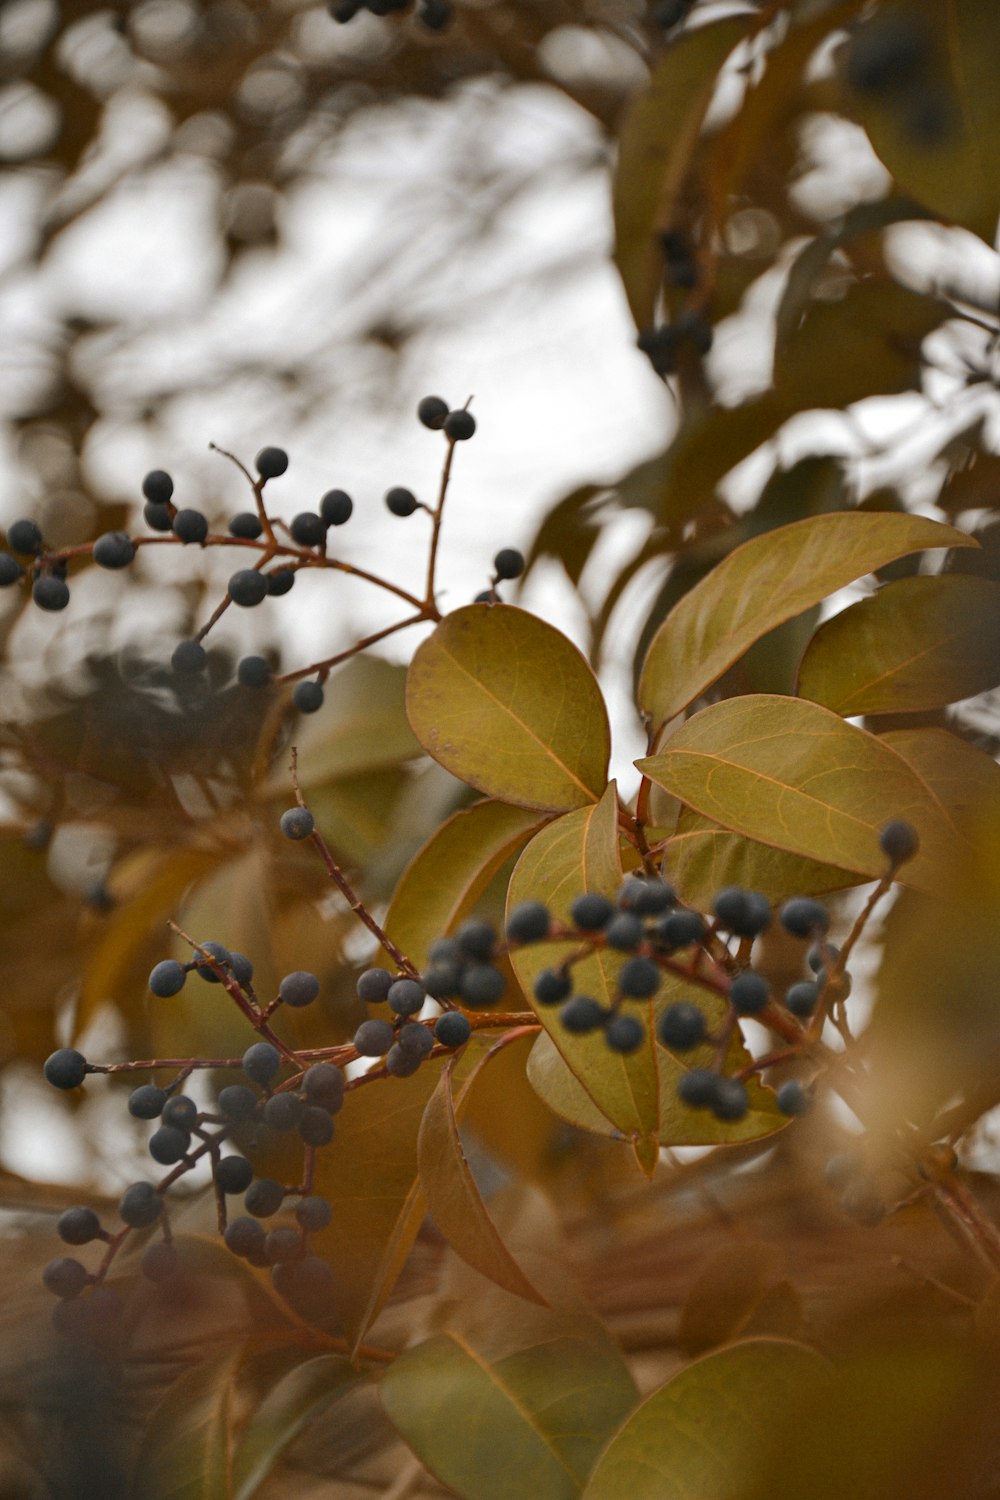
(185, 1447)
(701, 858)
(798, 777)
(576, 853)
(303, 1394)
(767, 580)
(964, 778)
(530, 1424)
(508, 704)
(445, 878)
(453, 1198)
(656, 146)
(916, 644)
(703, 1435)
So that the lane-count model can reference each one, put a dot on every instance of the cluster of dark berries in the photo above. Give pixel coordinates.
(47, 578)
(662, 345)
(457, 424)
(434, 14)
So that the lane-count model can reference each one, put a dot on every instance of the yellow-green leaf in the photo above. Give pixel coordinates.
(727, 1290)
(701, 858)
(579, 852)
(703, 1435)
(507, 703)
(185, 1448)
(966, 779)
(767, 580)
(798, 777)
(916, 644)
(453, 1198)
(445, 878)
(656, 145)
(530, 1424)
(303, 1394)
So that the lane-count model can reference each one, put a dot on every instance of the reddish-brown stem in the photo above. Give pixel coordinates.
(361, 645)
(256, 485)
(436, 517)
(228, 980)
(979, 1229)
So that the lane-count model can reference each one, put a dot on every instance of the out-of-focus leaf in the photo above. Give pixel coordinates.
(656, 145)
(507, 703)
(725, 1294)
(916, 644)
(453, 1198)
(938, 130)
(569, 531)
(532, 1422)
(304, 1393)
(701, 858)
(444, 880)
(964, 778)
(798, 777)
(185, 1453)
(706, 1431)
(576, 853)
(711, 441)
(767, 580)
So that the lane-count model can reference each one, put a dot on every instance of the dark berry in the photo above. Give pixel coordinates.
(552, 986)
(65, 1277)
(247, 525)
(582, 1014)
(158, 517)
(336, 507)
(374, 1038)
(114, 550)
(480, 985)
(304, 1282)
(415, 1039)
(529, 922)
(264, 1197)
(189, 657)
(731, 1101)
(401, 502)
(406, 996)
(280, 581)
(804, 918)
(316, 1126)
(50, 593)
(314, 1213)
(282, 1245)
(146, 1102)
(78, 1226)
(818, 955)
(237, 1102)
(476, 940)
(647, 898)
(639, 978)
(802, 998)
(167, 978)
(452, 1029)
(681, 928)
(307, 697)
(433, 411)
(898, 841)
(668, 12)
(181, 1110)
(324, 1086)
(158, 487)
(10, 570)
(297, 823)
(24, 537)
(486, 596)
(508, 563)
(159, 1262)
(190, 526)
(459, 425)
(261, 1062)
(697, 1088)
(284, 1111)
(233, 1174)
(400, 1064)
(373, 985)
(441, 981)
(140, 1205)
(682, 1026)
(624, 1033)
(591, 912)
(624, 932)
(445, 950)
(271, 462)
(244, 1236)
(749, 993)
(222, 956)
(65, 1069)
(299, 988)
(247, 587)
(169, 1144)
(793, 1099)
(743, 913)
(695, 328)
(308, 529)
(254, 671)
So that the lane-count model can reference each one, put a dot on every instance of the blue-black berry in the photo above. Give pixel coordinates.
(316, 1126)
(459, 425)
(591, 912)
(308, 529)
(78, 1226)
(406, 996)
(263, 1198)
(400, 1064)
(65, 1069)
(307, 697)
(298, 989)
(65, 1277)
(697, 1088)
(401, 501)
(749, 993)
(158, 517)
(190, 526)
(113, 550)
(804, 918)
(415, 1039)
(314, 1213)
(222, 956)
(297, 823)
(802, 998)
(624, 1033)
(280, 581)
(793, 1099)
(261, 1062)
(741, 912)
(247, 588)
(245, 1237)
(373, 985)
(271, 462)
(167, 978)
(508, 563)
(480, 985)
(324, 1086)
(189, 657)
(582, 1014)
(168, 1145)
(140, 1205)
(898, 841)
(50, 593)
(374, 1038)
(639, 978)
(233, 1174)
(246, 525)
(624, 932)
(181, 1110)
(254, 672)
(336, 507)
(284, 1111)
(452, 1029)
(682, 1026)
(731, 1101)
(552, 986)
(529, 922)
(237, 1102)
(24, 537)
(681, 928)
(432, 412)
(10, 570)
(146, 1102)
(476, 939)
(158, 487)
